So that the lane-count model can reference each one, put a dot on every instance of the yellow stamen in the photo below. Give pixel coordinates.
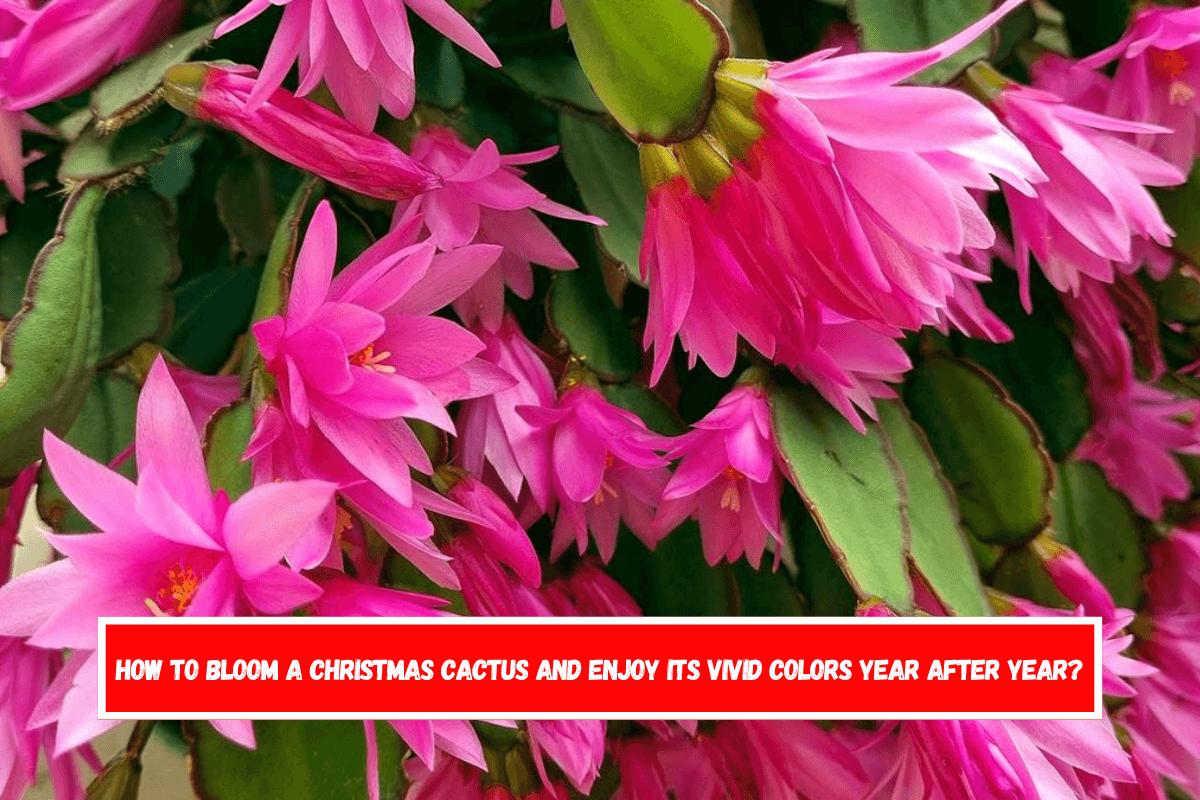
(368, 358)
(599, 497)
(173, 599)
(730, 498)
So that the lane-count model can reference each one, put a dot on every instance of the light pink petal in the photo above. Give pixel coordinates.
(446, 20)
(314, 267)
(103, 496)
(168, 441)
(265, 522)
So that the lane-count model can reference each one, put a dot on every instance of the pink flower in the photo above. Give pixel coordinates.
(1025, 759)
(205, 395)
(483, 199)
(13, 159)
(499, 532)
(1072, 578)
(851, 366)
(454, 779)
(65, 45)
(810, 153)
(1156, 78)
(1115, 666)
(728, 480)
(494, 439)
(742, 758)
(576, 746)
(361, 49)
(27, 673)
(356, 355)
(606, 468)
(495, 562)
(167, 546)
(589, 591)
(298, 131)
(558, 15)
(1087, 218)
(1135, 426)
(1164, 718)
(342, 596)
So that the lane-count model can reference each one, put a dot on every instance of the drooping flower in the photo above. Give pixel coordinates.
(588, 591)
(1157, 77)
(742, 758)
(786, 202)
(361, 49)
(1087, 218)
(1023, 759)
(1164, 718)
(728, 479)
(65, 45)
(606, 468)
(167, 546)
(1135, 426)
(482, 199)
(497, 441)
(1116, 667)
(576, 746)
(851, 366)
(496, 564)
(1072, 578)
(298, 131)
(451, 778)
(356, 355)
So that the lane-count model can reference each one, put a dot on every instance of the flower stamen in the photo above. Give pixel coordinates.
(368, 358)
(1173, 65)
(730, 498)
(173, 599)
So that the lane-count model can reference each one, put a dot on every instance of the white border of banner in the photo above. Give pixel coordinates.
(1096, 623)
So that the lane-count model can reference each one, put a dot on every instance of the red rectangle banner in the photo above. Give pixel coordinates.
(571, 668)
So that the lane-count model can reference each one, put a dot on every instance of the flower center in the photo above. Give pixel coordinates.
(730, 498)
(174, 597)
(1173, 65)
(605, 486)
(368, 358)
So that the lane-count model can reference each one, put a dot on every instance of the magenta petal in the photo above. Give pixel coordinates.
(238, 731)
(28, 601)
(314, 267)
(375, 448)
(79, 721)
(170, 521)
(103, 496)
(265, 522)
(167, 440)
(279, 590)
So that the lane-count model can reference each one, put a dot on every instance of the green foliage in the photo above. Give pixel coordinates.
(939, 547)
(849, 488)
(102, 430)
(1093, 519)
(605, 164)
(50, 348)
(991, 451)
(316, 760)
(126, 92)
(1038, 366)
(655, 86)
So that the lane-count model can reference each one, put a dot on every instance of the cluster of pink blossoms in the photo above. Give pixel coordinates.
(779, 228)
